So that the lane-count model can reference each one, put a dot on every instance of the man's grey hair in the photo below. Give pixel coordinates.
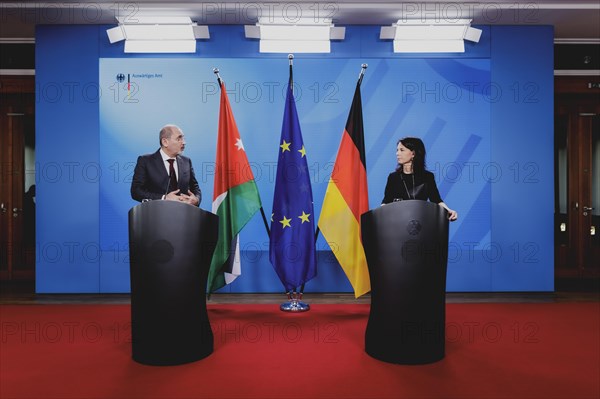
(166, 132)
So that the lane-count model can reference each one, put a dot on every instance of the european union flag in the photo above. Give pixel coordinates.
(292, 248)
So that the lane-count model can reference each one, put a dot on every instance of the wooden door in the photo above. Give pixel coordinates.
(577, 178)
(17, 183)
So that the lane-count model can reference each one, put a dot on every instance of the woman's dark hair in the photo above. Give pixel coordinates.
(415, 144)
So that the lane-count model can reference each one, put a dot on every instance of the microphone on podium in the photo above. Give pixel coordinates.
(167, 187)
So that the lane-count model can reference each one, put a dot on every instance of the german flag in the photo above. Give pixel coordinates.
(346, 199)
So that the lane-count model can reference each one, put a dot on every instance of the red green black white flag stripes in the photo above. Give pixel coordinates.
(235, 197)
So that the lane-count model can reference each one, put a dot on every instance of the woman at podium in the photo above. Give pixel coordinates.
(411, 180)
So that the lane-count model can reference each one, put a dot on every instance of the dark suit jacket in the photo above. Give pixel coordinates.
(400, 187)
(151, 180)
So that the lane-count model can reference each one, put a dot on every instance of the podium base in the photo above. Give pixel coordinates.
(294, 304)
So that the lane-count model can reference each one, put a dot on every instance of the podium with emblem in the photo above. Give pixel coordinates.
(171, 246)
(406, 246)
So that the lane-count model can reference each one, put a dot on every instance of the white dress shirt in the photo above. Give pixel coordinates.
(165, 157)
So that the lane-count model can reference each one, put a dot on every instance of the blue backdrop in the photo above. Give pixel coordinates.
(485, 117)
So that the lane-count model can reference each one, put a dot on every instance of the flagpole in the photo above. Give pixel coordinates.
(294, 303)
(291, 80)
(262, 212)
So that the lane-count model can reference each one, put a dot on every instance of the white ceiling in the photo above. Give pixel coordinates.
(579, 19)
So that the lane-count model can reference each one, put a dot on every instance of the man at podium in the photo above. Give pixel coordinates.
(411, 180)
(166, 174)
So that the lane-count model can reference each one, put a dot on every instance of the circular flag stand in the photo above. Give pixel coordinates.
(294, 303)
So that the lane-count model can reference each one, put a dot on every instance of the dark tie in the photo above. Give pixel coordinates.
(172, 176)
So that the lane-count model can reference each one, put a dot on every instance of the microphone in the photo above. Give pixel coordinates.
(167, 188)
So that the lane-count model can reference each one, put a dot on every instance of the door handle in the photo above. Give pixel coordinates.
(587, 208)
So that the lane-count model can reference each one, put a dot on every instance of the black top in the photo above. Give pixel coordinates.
(400, 187)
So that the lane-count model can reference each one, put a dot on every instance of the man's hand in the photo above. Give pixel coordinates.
(172, 196)
(189, 198)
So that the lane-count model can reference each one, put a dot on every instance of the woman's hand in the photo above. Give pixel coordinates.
(452, 215)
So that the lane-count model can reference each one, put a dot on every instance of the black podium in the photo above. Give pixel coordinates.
(171, 246)
(406, 245)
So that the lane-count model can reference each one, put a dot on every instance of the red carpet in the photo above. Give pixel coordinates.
(492, 351)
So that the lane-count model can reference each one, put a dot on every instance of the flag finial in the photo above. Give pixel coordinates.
(216, 72)
(291, 79)
(363, 69)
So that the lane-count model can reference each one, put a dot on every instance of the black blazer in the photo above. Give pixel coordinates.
(400, 187)
(151, 180)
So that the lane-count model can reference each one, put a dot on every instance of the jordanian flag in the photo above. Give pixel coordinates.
(346, 199)
(235, 198)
